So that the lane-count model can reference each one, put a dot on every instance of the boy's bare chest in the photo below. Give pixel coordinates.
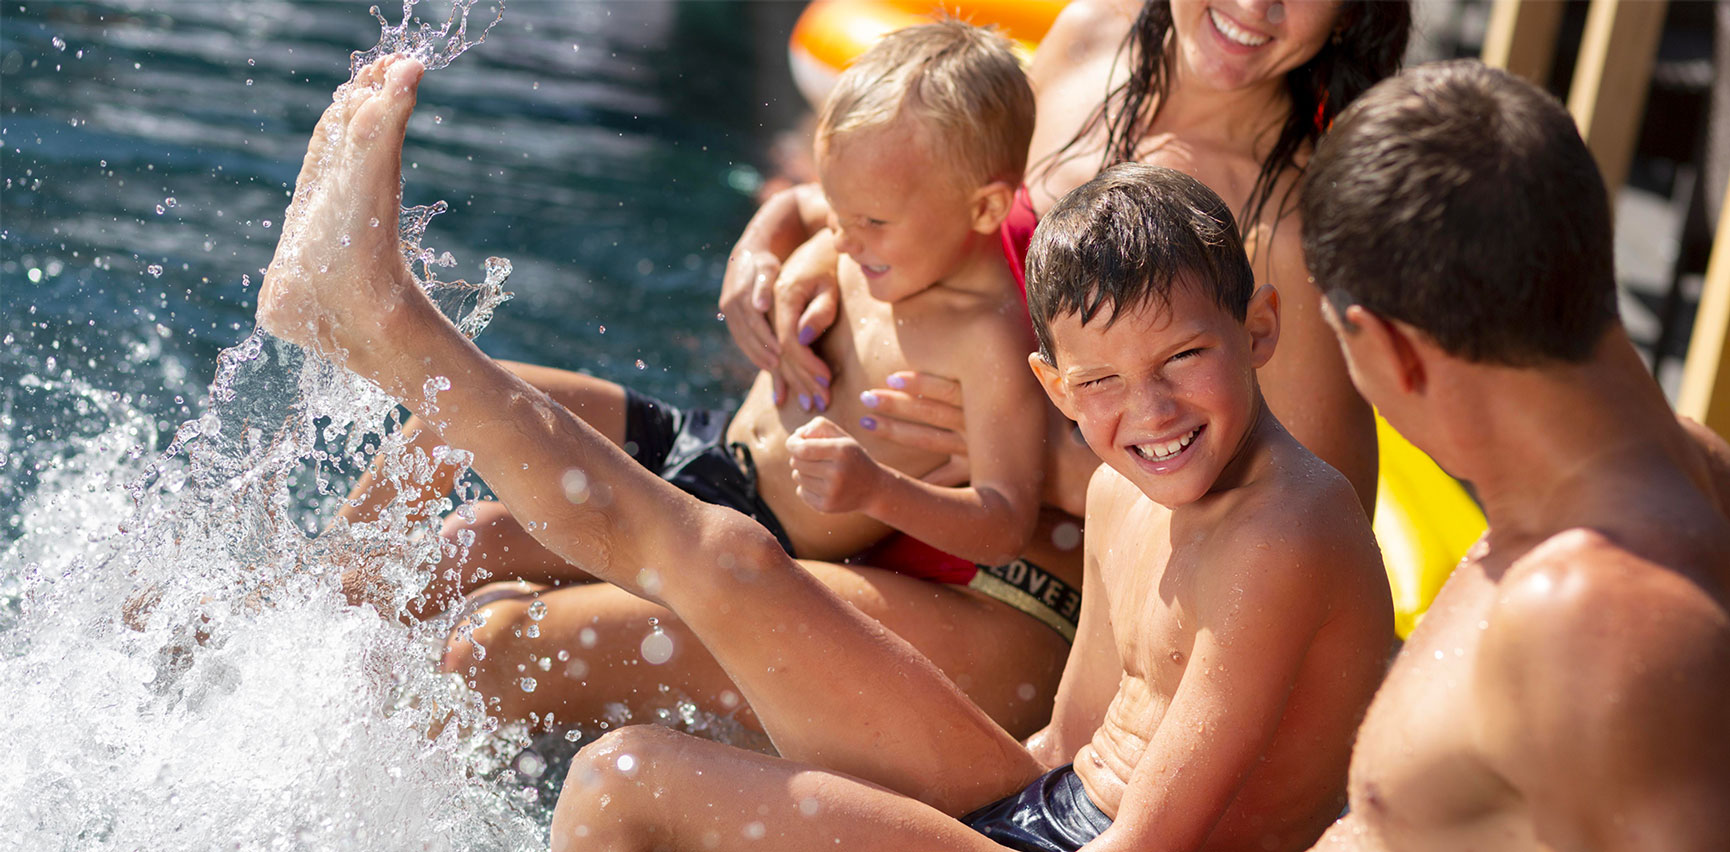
(1147, 586)
(1418, 778)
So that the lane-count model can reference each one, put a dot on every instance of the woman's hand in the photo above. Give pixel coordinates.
(922, 411)
(785, 221)
(807, 296)
(746, 297)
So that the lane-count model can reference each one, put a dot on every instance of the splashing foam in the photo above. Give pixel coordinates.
(180, 666)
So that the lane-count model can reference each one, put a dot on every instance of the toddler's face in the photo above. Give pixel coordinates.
(896, 210)
(1165, 395)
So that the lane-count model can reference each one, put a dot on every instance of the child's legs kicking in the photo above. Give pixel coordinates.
(497, 547)
(598, 402)
(647, 788)
(1004, 660)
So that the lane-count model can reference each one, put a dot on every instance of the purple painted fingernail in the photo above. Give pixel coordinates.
(868, 399)
(806, 335)
(896, 381)
(822, 404)
(868, 422)
(805, 401)
(823, 380)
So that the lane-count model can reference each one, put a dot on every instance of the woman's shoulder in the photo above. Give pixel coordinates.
(1087, 27)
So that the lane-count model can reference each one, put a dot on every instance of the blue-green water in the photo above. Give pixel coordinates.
(178, 669)
(608, 149)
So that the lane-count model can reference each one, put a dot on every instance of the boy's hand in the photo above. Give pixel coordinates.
(807, 296)
(831, 471)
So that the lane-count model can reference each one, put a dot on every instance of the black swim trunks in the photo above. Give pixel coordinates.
(688, 449)
(1052, 815)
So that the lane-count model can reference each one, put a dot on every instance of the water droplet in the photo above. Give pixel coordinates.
(343, 241)
(530, 765)
(641, 365)
(267, 223)
(170, 202)
(627, 763)
(160, 210)
(154, 269)
(657, 648)
(573, 735)
(754, 831)
(59, 43)
(809, 806)
(563, 655)
(533, 631)
(538, 609)
(528, 684)
(373, 222)
(586, 637)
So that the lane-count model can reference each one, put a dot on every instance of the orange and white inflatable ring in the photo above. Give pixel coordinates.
(830, 33)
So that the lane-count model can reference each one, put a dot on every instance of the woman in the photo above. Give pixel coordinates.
(1233, 93)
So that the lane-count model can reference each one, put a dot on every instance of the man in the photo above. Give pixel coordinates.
(1570, 686)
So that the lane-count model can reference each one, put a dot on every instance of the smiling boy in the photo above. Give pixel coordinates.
(1237, 632)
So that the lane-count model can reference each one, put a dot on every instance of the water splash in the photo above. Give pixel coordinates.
(435, 47)
(180, 666)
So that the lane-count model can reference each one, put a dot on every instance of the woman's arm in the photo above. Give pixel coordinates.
(782, 224)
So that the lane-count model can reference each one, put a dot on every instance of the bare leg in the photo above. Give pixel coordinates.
(598, 402)
(1004, 660)
(648, 788)
(830, 685)
(494, 546)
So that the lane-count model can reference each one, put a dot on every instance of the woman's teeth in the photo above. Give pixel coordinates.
(1165, 451)
(1234, 33)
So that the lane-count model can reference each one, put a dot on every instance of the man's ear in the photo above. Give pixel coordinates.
(1261, 320)
(1386, 351)
(990, 207)
(1052, 381)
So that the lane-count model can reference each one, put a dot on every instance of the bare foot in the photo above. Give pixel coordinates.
(339, 273)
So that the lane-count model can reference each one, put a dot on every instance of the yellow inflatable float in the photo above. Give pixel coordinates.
(1424, 520)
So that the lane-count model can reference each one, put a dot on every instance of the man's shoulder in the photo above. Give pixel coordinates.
(1582, 596)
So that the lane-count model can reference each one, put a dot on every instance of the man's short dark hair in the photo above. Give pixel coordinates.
(1123, 239)
(1459, 199)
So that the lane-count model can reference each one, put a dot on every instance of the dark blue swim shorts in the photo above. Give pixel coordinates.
(688, 448)
(1052, 815)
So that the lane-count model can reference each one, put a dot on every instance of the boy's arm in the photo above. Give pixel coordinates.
(989, 520)
(1094, 670)
(1603, 694)
(1260, 604)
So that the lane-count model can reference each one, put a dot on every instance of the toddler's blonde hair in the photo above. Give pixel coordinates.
(962, 85)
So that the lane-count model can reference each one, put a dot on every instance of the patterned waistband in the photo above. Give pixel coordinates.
(1033, 590)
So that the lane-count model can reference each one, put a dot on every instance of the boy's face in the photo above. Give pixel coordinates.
(1163, 395)
(896, 210)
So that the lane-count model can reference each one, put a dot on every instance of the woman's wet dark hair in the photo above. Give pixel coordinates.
(1124, 239)
(1369, 43)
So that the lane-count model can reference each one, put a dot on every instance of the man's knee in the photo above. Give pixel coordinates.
(609, 798)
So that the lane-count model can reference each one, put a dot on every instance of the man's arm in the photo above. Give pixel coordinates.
(1259, 606)
(1603, 697)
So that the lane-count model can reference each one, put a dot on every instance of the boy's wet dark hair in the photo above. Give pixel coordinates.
(1123, 239)
(1460, 199)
